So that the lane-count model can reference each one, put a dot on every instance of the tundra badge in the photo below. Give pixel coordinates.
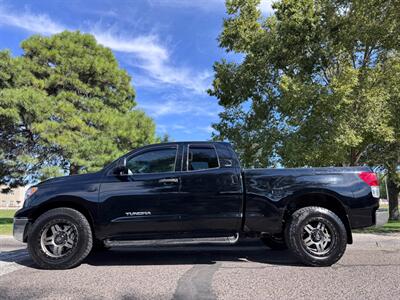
(137, 213)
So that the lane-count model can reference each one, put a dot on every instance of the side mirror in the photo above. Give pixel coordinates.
(121, 168)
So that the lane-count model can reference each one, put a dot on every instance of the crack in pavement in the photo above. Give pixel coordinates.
(196, 283)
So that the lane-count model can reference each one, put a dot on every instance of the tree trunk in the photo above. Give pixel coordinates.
(393, 195)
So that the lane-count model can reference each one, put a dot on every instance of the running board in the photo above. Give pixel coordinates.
(165, 242)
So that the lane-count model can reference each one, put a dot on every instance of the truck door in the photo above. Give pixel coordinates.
(146, 199)
(211, 191)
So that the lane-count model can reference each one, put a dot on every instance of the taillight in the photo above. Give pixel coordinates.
(371, 179)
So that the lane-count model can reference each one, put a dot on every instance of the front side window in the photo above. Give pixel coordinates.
(154, 161)
(201, 158)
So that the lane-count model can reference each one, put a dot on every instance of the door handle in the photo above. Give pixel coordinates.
(168, 180)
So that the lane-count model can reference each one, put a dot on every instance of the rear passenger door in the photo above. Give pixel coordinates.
(211, 192)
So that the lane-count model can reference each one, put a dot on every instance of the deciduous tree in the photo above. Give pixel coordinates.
(310, 86)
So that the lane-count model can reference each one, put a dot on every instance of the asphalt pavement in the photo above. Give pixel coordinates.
(370, 269)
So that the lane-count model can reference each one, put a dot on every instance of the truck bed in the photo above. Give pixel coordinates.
(271, 192)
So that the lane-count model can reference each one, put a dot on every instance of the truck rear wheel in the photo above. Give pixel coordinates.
(316, 236)
(61, 238)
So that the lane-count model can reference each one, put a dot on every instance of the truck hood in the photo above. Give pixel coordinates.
(72, 178)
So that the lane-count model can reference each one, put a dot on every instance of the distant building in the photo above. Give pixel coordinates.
(13, 199)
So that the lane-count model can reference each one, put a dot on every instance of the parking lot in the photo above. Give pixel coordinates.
(370, 269)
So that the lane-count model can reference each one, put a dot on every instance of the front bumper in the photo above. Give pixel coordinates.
(381, 217)
(19, 228)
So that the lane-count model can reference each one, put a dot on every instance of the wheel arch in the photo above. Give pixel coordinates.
(320, 199)
(69, 202)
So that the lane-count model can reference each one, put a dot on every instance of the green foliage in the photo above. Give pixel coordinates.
(318, 84)
(65, 107)
(314, 78)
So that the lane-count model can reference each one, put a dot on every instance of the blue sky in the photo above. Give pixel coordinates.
(167, 46)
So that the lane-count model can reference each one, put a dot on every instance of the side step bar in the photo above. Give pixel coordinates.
(165, 242)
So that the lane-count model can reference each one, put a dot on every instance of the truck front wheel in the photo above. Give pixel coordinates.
(60, 239)
(316, 236)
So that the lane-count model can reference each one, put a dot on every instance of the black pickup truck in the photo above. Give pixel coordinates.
(189, 192)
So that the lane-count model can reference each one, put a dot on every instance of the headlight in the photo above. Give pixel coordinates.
(28, 194)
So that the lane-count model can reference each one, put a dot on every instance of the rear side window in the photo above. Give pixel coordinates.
(201, 158)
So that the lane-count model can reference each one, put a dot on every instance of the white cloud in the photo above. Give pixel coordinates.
(208, 5)
(207, 129)
(146, 47)
(197, 4)
(266, 7)
(155, 59)
(179, 107)
(145, 51)
(37, 23)
(163, 128)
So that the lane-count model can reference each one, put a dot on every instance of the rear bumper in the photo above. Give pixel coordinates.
(19, 228)
(381, 217)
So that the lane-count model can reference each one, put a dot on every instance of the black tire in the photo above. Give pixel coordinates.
(80, 248)
(297, 235)
(274, 242)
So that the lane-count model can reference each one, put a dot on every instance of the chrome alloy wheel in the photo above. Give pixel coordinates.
(58, 239)
(317, 238)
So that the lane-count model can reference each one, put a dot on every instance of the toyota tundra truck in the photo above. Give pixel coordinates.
(196, 192)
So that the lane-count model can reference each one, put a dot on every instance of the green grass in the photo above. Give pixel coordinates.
(391, 226)
(6, 220)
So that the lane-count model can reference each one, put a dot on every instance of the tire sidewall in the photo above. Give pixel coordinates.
(338, 233)
(80, 249)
